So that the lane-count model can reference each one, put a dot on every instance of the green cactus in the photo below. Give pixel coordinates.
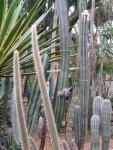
(95, 125)
(78, 127)
(70, 118)
(84, 77)
(45, 96)
(34, 98)
(105, 119)
(97, 103)
(19, 106)
(65, 58)
(82, 7)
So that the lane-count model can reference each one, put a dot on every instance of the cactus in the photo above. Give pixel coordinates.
(19, 106)
(45, 97)
(70, 118)
(65, 145)
(78, 127)
(105, 119)
(34, 104)
(97, 103)
(32, 143)
(14, 120)
(82, 7)
(84, 77)
(65, 58)
(95, 125)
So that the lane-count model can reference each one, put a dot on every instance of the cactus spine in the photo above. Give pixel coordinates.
(19, 106)
(45, 97)
(105, 118)
(95, 125)
(97, 103)
(78, 127)
(84, 78)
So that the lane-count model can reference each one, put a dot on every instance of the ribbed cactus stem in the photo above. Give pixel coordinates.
(97, 103)
(45, 97)
(78, 127)
(62, 10)
(82, 7)
(105, 119)
(95, 125)
(84, 72)
(70, 118)
(19, 106)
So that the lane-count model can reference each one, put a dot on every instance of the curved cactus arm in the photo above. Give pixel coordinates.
(65, 58)
(45, 96)
(19, 106)
(105, 119)
(95, 125)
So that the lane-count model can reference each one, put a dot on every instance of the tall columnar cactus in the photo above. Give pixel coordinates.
(97, 103)
(92, 25)
(95, 125)
(45, 97)
(78, 127)
(34, 104)
(65, 58)
(84, 77)
(19, 106)
(105, 119)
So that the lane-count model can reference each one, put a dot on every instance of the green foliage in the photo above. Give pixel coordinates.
(7, 141)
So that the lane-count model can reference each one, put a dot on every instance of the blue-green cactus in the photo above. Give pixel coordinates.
(78, 128)
(105, 119)
(95, 125)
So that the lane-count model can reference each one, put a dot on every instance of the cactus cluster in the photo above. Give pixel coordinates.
(101, 108)
(100, 123)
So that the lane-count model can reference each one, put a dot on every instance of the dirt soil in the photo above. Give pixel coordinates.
(61, 136)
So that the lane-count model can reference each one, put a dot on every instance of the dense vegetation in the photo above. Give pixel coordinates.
(56, 66)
